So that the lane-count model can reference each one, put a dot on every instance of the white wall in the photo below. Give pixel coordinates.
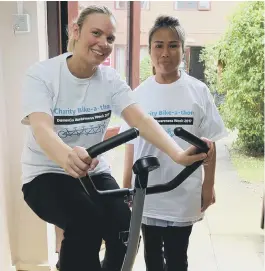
(23, 236)
(5, 250)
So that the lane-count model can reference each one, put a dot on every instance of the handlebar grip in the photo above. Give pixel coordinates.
(192, 139)
(112, 142)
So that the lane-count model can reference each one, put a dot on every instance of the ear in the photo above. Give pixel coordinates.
(75, 31)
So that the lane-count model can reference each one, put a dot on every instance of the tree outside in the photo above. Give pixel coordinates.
(234, 66)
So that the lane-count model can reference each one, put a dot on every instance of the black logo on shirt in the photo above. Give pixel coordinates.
(175, 120)
(85, 118)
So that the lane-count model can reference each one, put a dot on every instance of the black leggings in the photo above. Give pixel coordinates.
(174, 240)
(60, 200)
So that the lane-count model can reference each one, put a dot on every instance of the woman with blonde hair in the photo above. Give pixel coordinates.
(67, 104)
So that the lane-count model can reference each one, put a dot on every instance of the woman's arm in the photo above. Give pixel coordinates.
(74, 161)
(128, 164)
(209, 169)
(208, 193)
(151, 131)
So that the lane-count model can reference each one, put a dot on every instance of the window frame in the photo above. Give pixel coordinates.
(205, 9)
(123, 46)
(147, 5)
(198, 8)
(117, 7)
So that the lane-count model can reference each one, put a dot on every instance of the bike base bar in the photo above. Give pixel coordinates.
(117, 192)
(160, 188)
(178, 180)
(89, 185)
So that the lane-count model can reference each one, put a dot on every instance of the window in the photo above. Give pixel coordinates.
(192, 5)
(143, 52)
(186, 5)
(204, 5)
(120, 60)
(121, 4)
(145, 4)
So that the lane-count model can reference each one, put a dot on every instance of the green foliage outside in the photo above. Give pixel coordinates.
(250, 169)
(145, 69)
(241, 50)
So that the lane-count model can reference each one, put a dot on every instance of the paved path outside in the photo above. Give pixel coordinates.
(229, 238)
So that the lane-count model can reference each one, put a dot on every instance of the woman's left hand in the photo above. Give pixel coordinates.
(211, 150)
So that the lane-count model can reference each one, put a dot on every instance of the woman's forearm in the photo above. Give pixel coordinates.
(209, 170)
(151, 131)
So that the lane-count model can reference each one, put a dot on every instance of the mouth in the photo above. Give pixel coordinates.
(165, 63)
(97, 52)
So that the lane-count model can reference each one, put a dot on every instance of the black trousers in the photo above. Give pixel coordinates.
(61, 200)
(165, 248)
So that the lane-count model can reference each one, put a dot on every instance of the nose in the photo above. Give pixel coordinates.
(165, 53)
(103, 43)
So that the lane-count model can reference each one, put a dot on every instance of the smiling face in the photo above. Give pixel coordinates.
(95, 38)
(166, 51)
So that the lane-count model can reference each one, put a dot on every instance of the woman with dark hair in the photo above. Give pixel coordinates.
(174, 99)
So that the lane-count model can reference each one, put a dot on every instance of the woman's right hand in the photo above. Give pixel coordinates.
(190, 156)
(78, 162)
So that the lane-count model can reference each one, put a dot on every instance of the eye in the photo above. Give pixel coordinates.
(111, 39)
(96, 33)
(158, 46)
(176, 45)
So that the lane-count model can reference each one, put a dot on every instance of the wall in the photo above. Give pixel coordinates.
(25, 235)
(201, 27)
(5, 248)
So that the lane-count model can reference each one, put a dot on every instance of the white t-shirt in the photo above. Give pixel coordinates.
(81, 109)
(185, 103)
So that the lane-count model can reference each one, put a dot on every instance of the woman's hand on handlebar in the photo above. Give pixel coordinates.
(79, 162)
(190, 156)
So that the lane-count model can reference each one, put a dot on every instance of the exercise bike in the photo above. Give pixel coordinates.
(141, 169)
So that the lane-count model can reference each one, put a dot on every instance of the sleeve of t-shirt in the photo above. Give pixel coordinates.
(121, 95)
(212, 125)
(36, 97)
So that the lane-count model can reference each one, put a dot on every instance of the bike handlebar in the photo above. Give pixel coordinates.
(112, 142)
(192, 139)
(187, 171)
(131, 134)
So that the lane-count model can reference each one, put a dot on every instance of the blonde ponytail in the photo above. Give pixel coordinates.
(71, 44)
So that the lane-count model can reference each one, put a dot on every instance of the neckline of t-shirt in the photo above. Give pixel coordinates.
(178, 81)
(74, 78)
